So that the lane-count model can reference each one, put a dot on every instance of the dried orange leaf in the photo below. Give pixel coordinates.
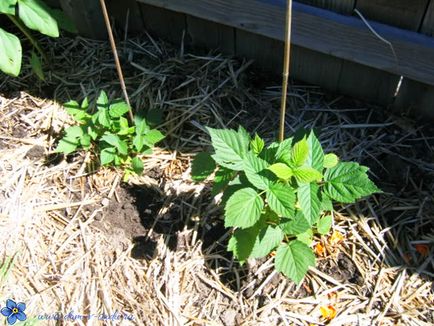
(422, 249)
(336, 238)
(319, 249)
(328, 312)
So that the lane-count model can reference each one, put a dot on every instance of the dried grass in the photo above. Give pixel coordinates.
(55, 259)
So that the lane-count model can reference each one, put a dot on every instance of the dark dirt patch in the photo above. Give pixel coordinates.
(35, 153)
(341, 269)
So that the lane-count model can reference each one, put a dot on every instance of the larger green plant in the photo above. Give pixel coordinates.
(28, 15)
(107, 132)
(277, 197)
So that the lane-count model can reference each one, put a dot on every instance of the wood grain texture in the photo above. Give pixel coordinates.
(415, 99)
(428, 22)
(340, 36)
(205, 33)
(167, 24)
(119, 10)
(341, 6)
(87, 17)
(401, 13)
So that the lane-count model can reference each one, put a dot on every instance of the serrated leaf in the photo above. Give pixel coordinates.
(243, 208)
(85, 103)
(107, 155)
(63, 21)
(305, 174)
(300, 152)
(230, 147)
(293, 260)
(74, 109)
(306, 237)
(115, 141)
(269, 154)
(296, 225)
(85, 140)
(104, 118)
(118, 109)
(8, 7)
(67, 145)
(330, 160)
(257, 144)
(36, 64)
(310, 201)
(281, 199)
(142, 126)
(326, 202)
(152, 137)
(36, 15)
(102, 102)
(137, 165)
(222, 178)
(242, 242)
(11, 53)
(347, 182)
(202, 166)
(324, 224)
(281, 170)
(138, 142)
(315, 158)
(256, 171)
(284, 151)
(267, 239)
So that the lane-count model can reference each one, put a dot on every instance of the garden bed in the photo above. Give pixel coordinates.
(77, 239)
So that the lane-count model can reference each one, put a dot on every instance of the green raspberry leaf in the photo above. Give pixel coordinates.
(306, 174)
(152, 137)
(310, 201)
(243, 209)
(11, 53)
(36, 15)
(306, 237)
(294, 226)
(222, 178)
(85, 141)
(102, 102)
(242, 242)
(281, 170)
(267, 239)
(115, 141)
(330, 160)
(315, 158)
(281, 199)
(284, 150)
(142, 126)
(324, 224)
(118, 109)
(256, 171)
(202, 166)
(293, 260)
(67, 145)
(257, 144)
(300, 153)
(74, 132)
(8, 7)
(348, 182)
(137, 165)
(230, 147)
(36, 64)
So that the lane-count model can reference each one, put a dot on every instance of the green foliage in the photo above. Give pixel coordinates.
(28, 15)
(107, 132)
(277, 197)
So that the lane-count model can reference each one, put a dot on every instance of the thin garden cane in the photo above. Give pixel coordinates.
(116, 57)
(286, 63)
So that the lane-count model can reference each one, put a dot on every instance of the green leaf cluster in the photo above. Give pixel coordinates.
(106, 131)
(28, 15)
(277, 197)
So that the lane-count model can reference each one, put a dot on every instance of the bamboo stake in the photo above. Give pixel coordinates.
(116, 57)
(286, 63)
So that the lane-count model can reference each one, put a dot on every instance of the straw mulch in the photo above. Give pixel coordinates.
(75, 239)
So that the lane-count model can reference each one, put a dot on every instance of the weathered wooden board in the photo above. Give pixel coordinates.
(402, 13)
(341, 6)
(167, 24)
(322, 31)
(415, 99)
(428, 22)
(87, 17)
(205, 33)
(121, 10)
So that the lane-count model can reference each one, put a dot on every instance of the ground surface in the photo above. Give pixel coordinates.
(75, 239)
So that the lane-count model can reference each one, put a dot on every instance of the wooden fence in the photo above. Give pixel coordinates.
(332, 46)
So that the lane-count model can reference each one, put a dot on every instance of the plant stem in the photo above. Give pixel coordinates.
(286, 63)
(28, 35)
(116, 57)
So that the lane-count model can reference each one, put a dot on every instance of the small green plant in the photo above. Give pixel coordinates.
(28, 15)
(278, 197)
(107, 132)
